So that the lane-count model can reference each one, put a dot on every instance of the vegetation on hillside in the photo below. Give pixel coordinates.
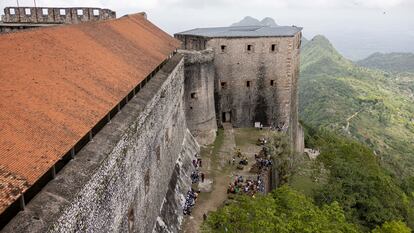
(372, 106)
(367, 193)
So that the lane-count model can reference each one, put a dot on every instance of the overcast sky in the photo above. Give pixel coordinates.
(357, 28)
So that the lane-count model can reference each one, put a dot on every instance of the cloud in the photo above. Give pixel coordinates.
(379, 3)
(203, 4)
(321, 4)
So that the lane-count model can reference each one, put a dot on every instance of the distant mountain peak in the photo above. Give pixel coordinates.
(269, 22)
(250, 21)
(320, 38)
(323, 42)
(320, 50)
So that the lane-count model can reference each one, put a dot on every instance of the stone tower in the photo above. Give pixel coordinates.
(255, 76)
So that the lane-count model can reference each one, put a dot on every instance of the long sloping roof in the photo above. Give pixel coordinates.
(57, 83)
(244, 31)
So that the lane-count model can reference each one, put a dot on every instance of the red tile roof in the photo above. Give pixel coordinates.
(57, 83)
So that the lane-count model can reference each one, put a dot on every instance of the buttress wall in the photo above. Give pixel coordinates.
(199, 95)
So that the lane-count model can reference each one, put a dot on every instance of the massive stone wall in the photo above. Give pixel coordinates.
(199, 95)
(170, 218)
(46, 15)
(120, 180)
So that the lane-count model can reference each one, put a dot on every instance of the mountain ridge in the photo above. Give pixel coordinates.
(251, 21)
(391, 62)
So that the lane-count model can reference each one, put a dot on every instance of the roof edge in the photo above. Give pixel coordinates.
(143, 13)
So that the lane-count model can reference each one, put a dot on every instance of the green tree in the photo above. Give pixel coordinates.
(284, 211)
(285, 161)
(392, 227)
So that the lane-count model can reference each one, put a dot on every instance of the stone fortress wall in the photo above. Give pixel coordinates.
(46, 15)
(124, 180)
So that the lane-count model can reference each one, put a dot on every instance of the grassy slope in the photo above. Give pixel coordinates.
(333, 89)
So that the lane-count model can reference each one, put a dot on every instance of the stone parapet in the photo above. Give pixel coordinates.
(47, 15)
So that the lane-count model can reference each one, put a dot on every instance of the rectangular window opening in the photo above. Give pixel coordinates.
(272, 82)
(12, 11)
(248, 84)
(27, 11)
(273, 48)
(79, 12)
(193, 95)
(249, 47)
(223, 48)
(45, 12)
(223, 85)
(95, 12)
(62, 12)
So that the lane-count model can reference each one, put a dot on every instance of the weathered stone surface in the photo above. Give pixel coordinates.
(199, 95)
(119, 181)
(171, 215)
(244, 79)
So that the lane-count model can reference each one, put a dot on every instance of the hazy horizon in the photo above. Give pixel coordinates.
(357, 28)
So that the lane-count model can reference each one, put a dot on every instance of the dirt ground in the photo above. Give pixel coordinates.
(220, 172)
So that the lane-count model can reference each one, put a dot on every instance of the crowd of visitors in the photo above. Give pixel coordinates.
(264, 164)
(190, 201)
(196, 176)
(239, 159)
(197, 163)
(249, 186)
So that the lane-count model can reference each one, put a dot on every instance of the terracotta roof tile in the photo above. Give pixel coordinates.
(57, 83)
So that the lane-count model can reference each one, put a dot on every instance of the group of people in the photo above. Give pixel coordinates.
(191, 197)
(246, 186)
(242, 160)
(190, 201)
(280, 127)
(261, 141)
(196, 176)
(264, 164)
(197, 163)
